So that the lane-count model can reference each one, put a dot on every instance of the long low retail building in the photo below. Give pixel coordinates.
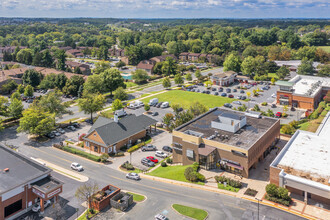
(303, 165)
(23, 182)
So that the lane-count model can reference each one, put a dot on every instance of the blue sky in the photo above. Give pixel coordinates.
(166, 8)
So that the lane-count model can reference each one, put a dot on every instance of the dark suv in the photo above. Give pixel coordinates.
(147, 162)
(149, 147)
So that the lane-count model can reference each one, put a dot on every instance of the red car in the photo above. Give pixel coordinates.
(152, 159)
(231, 96)
(278, 114)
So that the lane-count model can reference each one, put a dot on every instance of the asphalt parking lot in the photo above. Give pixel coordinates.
(161, 112)
(159, 139)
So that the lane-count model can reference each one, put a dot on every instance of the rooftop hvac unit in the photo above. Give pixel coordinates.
(227, 137)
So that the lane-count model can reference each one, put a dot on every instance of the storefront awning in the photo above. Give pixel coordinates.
(234, 166)
(47, 188)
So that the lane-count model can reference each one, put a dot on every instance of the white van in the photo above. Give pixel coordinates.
(120, 113)
(138, 104)
(153, 101)
(165, 105)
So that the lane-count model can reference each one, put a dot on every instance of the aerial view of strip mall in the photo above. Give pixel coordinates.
(164, 110)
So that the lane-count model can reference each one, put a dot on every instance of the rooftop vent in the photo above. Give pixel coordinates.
(6, 170)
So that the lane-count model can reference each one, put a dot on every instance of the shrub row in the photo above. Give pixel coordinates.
(229, 181)
(135, 147)
(318, 111)
(78, 152)
(127, 166)
(278, 194)
(277, 200)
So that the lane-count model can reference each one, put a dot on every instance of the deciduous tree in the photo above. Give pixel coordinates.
(91, 103)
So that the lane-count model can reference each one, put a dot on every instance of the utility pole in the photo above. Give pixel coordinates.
(258, 206)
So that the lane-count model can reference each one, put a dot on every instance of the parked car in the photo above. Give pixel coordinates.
(242, 91)
(237, 102)
(60, 130)
(220, 89)
(159, 104)
(147, 162)
(165, 105)
(133, 176)
(168, 149)
(76, 124)
(207, 92)
(160, 217)
(278, 114)
(36, 207)
(50, 135)
(231, 96)
(149, 147)
(154, 114)
(76, 166)
(293, 109)
(120, 113)
(273, 106)
(223, 94)
(56, 133)
(228, 105)
(72, 128)
(161, 154)
(89, 121)
(153, 101)
(273, 95)
(228, 90)
(213, 89)
(152, 159)
(234, 90)
(180, 109)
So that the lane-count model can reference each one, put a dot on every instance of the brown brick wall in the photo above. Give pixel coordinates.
(22, 196)
(294, 190)
(274, 175)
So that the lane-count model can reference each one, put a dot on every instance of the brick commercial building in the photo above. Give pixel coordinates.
(22, 182)
(224, 79)
(107, 135)
(222, 138)
(303, 91)
(303, 165)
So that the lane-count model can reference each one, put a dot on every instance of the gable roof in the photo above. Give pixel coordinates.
(112, 132)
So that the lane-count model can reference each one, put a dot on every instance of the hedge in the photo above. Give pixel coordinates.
(277, 200)
(230, 182)
(192, 175)
(78, 152)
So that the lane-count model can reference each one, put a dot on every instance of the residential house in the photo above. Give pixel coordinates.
(162, 58)
(183, 56)
(75, 53)
(147, 65)
(193, 56)
(108, 136)
(84, 68)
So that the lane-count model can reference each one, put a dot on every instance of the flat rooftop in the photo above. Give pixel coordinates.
(294, 63)
(244, 138)
(21, 169)
(309, 85)
(307, 154)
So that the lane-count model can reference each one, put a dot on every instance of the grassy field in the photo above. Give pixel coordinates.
(229, 188)
(325, 48)
(137, 197)
(172, 173)
(191, 212)
(130, 84)
(185, 99)
(311, 125)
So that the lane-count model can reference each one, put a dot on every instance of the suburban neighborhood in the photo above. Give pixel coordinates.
(164, 119)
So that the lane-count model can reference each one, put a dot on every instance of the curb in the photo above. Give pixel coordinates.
(188, 216)
(145, 197)
(77, 156)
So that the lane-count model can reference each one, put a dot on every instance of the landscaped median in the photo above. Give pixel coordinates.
(137, 197)
(79, 152)
(194, 213)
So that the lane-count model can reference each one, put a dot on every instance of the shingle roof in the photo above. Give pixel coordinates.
(112, 132)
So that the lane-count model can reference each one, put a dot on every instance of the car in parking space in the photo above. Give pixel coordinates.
(278, 114)
(154, 114)
(76, 124)
(152, 159)
(237, 102)
(133, 176)
(273, 106)
(293, 109)
(56, 133)
(160, 217)
(147, 162)
(273, 95)
(216, 93)
(76, 166)
(60, 130)
(180, 109)
(167, 148)
(231, 96)
(234, 90)
(50, 135)
(220, 89)
(161, 154)
(228, 90)
(223, 94)
(228, 105)
(158, 105)
(72, 128)
(207, 92)
(197, 90)
(36, 207)
(203, 91)
(149, 147)
(165, 105)
(242, 91)
(89, 121)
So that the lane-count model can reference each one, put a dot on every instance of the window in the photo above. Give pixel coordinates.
(87, 143)
(12, 208)
(102, 149)
(109, 149)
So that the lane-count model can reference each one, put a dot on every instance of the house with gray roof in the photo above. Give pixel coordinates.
(109, 135)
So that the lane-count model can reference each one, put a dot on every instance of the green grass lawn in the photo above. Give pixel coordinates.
(311, 125)
(185, 99)
(130, 84)
(172, 173)
(325, 48)
(229, 188)
(137, 197)
(83, 217)
(191, 212)
(273, 75)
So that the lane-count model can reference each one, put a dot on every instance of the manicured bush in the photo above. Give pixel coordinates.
(104, 157)
(278, 194)
(163, 164)
(127, 166)
(264, 104)
(251, 192)
(135, 147)
(169, 160)
(81, 153)
(195, 166)
(200, 177)
(229, 181)
(277, 200)
(271, 189)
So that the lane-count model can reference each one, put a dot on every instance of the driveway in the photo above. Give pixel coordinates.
(161, 112)
(159, 139)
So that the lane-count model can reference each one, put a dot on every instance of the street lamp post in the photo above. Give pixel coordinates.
(258, 206)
